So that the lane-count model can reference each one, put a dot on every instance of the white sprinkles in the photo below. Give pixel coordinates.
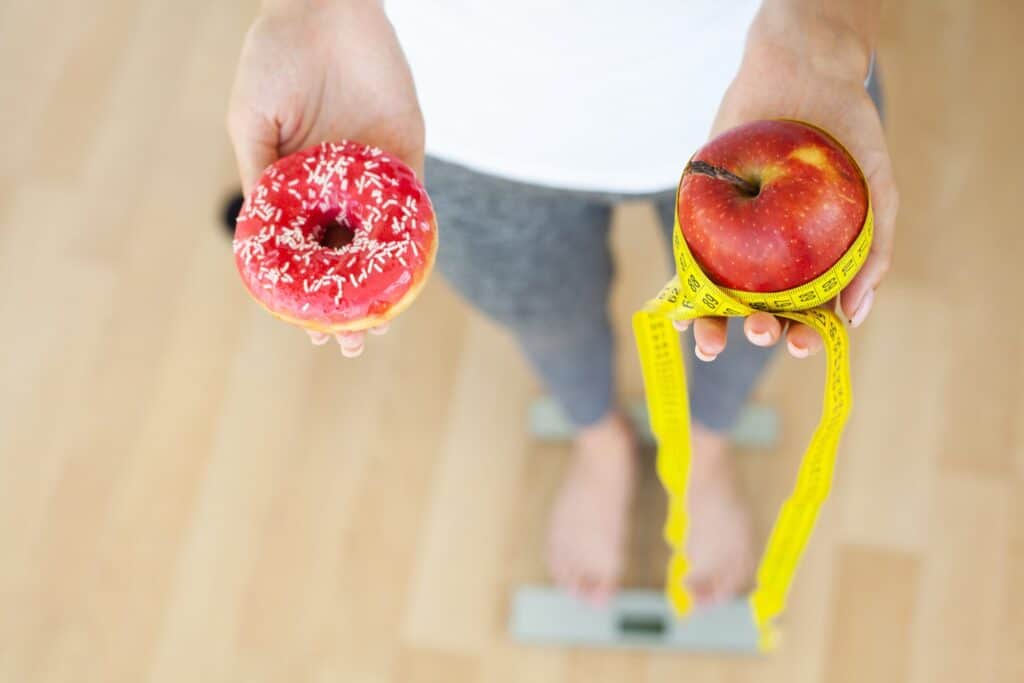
(287, 239)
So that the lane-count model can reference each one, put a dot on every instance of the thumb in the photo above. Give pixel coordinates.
(868, 146)
(255, 142)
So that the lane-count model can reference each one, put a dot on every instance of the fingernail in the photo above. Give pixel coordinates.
(319, 338)
(681, 325)
(706, 357)
(797, 351)
(863, 309)
(380, 329)
(352, 351)
(760, 338)
(351, 346)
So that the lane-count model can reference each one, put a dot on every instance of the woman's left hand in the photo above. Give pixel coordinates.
(800, 65)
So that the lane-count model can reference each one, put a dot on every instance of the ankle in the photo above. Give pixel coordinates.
(613, 427)
(606, 450)
(710, 451)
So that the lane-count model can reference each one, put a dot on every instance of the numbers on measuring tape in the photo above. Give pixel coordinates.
(668, 410)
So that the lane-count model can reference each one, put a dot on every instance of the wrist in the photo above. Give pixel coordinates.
(277, 6)
(837, 41)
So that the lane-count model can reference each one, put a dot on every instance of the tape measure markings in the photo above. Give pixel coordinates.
(691, 294)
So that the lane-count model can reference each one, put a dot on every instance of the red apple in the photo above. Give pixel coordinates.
(770, 205)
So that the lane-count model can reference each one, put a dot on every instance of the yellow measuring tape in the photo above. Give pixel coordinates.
(691, 294)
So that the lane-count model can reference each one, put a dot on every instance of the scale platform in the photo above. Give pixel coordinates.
(758, 426)
(635, 619)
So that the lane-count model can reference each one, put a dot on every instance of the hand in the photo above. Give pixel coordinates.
(320, 70)
(798, 65)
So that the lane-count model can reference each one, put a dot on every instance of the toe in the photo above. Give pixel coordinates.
(702, 588)
(556, 563)
(732, 584)
(603, 594)
(565, 570)
(558, 568)
(574, 583)
(597, 591)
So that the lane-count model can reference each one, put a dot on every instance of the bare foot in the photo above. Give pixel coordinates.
(720, 544)
(587, 532)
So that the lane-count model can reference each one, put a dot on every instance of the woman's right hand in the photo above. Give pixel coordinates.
(322, 70)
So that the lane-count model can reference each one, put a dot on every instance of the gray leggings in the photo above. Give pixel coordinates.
(536, 260)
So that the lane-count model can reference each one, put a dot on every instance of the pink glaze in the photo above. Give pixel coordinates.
(278, 248)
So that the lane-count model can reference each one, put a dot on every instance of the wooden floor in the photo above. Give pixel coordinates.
(190, 492)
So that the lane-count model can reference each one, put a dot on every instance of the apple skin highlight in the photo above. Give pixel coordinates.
(770, 205)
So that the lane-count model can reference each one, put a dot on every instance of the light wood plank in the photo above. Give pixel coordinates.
(426, 666)
(192, 492)
(456, 610)
(898, 427)
(871, 618)
(957, 625)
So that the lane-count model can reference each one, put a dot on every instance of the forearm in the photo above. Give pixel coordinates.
(279, 5)
(842, 33)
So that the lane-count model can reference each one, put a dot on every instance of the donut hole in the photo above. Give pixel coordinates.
(336, 234)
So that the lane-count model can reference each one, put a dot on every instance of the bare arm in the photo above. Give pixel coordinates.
(807, 59)
(316, 70)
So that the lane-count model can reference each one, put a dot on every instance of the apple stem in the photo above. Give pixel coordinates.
(704, 168)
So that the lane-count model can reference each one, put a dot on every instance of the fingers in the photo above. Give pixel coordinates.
(762, 329)
(862, 310)
(318, 338)
(802, 341)
(859, 296)
(350, 343)
(710, 335)
(868, 146)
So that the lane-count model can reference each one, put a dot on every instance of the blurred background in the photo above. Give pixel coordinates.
(191, 492)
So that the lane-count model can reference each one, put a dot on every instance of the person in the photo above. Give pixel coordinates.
(538, 116)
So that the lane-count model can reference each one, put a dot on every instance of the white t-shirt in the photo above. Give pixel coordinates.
(583, 94)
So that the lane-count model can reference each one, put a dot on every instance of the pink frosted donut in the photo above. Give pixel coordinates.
(279, 240)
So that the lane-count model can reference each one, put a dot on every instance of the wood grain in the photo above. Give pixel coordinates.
(191, 492)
